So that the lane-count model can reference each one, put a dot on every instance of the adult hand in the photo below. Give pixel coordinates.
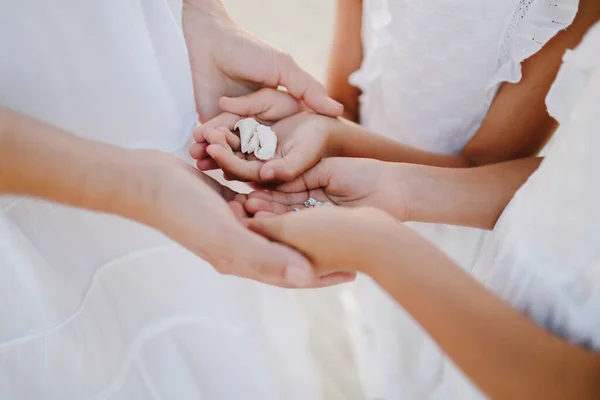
(226, 60)
(191, 208)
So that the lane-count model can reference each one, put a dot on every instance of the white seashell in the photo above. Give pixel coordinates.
(256, 138)
(310, 202)
(253, 145)
(247, 128)
(295, 209)
(267, 141)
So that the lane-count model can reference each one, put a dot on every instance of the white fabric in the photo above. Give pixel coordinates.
(93, 306)
(430, 72)
(544, 255)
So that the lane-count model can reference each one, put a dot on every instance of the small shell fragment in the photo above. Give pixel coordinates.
(310, 203)
(295, 209)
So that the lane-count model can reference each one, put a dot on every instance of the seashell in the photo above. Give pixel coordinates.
(310, 203)
(256, 138)
(247, 128)
(267, 143)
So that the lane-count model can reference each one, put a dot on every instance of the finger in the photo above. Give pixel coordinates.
(198, 150)
(231, 138)
(280, 265)
(270, 228)
(254, 206)
(206, 164)
(288, 199)
(304, 87)
(317, 177)
(227, 120)
(217, 136)
(267, 104)
(241, 198)
(238, 210)
(336, 278)
(263, 214)
(232, 165)
(287, 168)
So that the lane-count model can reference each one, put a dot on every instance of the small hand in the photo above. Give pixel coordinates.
(226, 60)
(191, 208)
(334, 239)
(350, 182)
(302, 143)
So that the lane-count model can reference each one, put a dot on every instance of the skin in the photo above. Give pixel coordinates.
(472, 197)
(152, 187)
(519, 361)
(516, 126)
(219, 52)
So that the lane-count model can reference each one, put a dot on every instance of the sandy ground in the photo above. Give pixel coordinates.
(303, 28)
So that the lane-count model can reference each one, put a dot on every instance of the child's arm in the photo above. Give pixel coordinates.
(472, 197)
(346, 56)
(516, 126)
(503, 352)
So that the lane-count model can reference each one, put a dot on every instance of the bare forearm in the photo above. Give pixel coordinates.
(346, 56)
(41, 161)
(500, 350)
(348, 139)
(472, 197)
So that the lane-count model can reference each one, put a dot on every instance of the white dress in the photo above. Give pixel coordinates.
(93, 306)
(430, 72)
(544, 254)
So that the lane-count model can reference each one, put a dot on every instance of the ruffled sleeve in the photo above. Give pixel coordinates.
(532, 25)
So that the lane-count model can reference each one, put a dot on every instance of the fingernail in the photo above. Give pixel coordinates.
(299, 275)
(335, 103)
(267, 174)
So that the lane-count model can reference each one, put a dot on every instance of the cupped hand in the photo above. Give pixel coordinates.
(226, 60)
(334, 239)
(302, 143)
(192, 209)
(349, 182)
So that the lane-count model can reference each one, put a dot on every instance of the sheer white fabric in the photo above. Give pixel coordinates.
(544, 255)
(430, 72)
(93, 306)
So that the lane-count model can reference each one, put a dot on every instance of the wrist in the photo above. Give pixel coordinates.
(415, 190)
(376, 250)
(334, 131)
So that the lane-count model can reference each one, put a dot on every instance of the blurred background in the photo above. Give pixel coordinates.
(302, 28)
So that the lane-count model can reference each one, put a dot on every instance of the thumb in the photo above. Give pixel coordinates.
(267, 104)
(285, 169)
(303, 86)
(270, 227)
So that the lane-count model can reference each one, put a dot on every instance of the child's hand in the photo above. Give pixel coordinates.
(350, 182)
(333, 238)
(302, 143)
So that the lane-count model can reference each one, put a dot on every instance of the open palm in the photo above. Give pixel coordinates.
(350, 182)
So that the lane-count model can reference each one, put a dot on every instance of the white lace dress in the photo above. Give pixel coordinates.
(430, 72)
(93, 306)
(544, 254)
